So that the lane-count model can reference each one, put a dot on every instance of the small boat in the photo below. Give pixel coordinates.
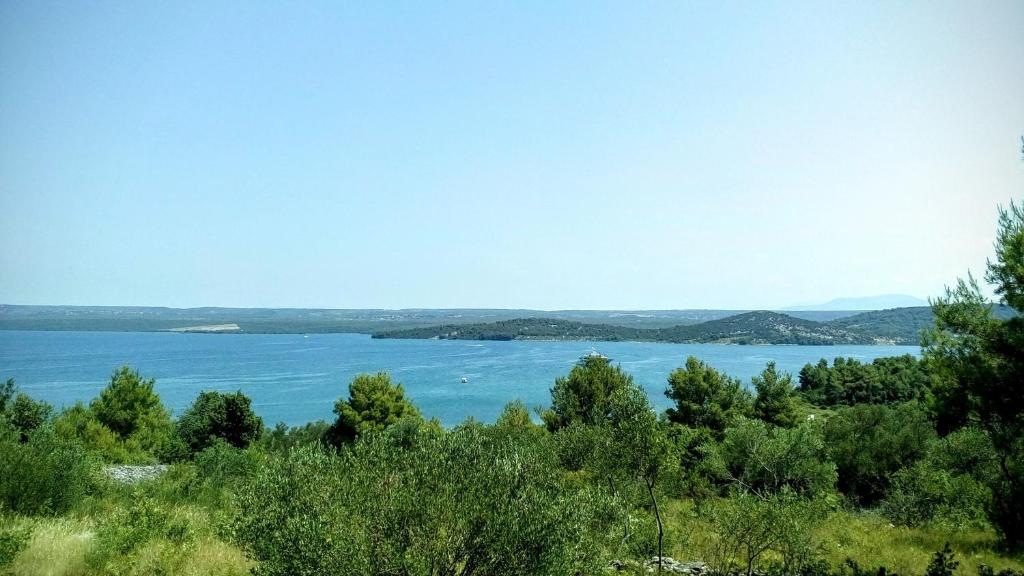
(465, 380)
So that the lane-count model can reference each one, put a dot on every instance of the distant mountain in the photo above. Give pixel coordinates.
(880, 302)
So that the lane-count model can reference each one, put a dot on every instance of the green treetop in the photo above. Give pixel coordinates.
(583, 395)
(373, 404)
(705, 397)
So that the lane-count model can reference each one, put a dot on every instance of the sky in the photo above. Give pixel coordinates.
(541, 155)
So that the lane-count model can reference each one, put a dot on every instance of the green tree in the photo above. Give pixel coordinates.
(27, 414)
(373, 404)
(637, 446)
(583, 395)
(213, 416)
(129, 404)
(870, 442)
(775, 402)
(20, 412)
(764, 459)
(705, 397)
(982, 360)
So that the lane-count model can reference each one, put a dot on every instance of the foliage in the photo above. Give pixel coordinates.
(705, 397)
(44, 474)
(943, 563)
(691, 471)
(78, 424)
(20, 412)
(747, 527)
(765, 460)
(848, 381)
(461, 502)
(128, 404)
(870, 442)
(373, 404)
(637, 445)
(583, 395)
(282, 438)
(215, 416)
(982, 358)
(129, 528)
(774, 402)
(12, 541)
(950, 485)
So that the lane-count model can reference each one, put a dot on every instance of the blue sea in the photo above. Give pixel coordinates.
(294, 378)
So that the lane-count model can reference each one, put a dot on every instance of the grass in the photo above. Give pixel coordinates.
(867, 538)
(68, 546)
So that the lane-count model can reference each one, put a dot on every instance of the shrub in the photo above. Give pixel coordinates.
(282, 438)
(215, 416)
(130, 528)
(765, 459)
(44, 475)
(466, 501)
(949, 486)
(12, 541)
(79, 424)
(747, 527)
(943, 563)
(869, 443)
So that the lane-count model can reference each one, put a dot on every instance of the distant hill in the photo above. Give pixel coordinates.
(759, 327)
(893, 326)
(900, 325)
(879, 302)
(321, 320)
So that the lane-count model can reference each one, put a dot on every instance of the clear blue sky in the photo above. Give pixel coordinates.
(544, 155)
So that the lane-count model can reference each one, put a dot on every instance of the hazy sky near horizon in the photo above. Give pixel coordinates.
(541, 155)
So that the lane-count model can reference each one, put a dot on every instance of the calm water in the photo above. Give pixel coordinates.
(296, 379)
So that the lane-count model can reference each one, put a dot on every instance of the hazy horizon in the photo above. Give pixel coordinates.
(608, 157)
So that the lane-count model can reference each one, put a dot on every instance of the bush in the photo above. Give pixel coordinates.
(215, 416)
(747, 527)
(12, 541)
(130, 528)
(949, 486)
(281, 438)
(869, 443)
(764, 459)
(79, 424)
(44, 475)
(470, 500)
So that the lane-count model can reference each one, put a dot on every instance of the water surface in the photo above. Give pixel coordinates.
(295, 378)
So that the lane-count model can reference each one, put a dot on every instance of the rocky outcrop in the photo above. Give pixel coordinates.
(668, 566)
(127, 474)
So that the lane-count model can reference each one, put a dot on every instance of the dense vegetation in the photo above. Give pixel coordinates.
(906, 465)
(897, 326)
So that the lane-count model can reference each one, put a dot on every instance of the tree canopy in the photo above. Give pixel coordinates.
(583, 395)
(213, 416)
(705, 397)
(373, 404)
